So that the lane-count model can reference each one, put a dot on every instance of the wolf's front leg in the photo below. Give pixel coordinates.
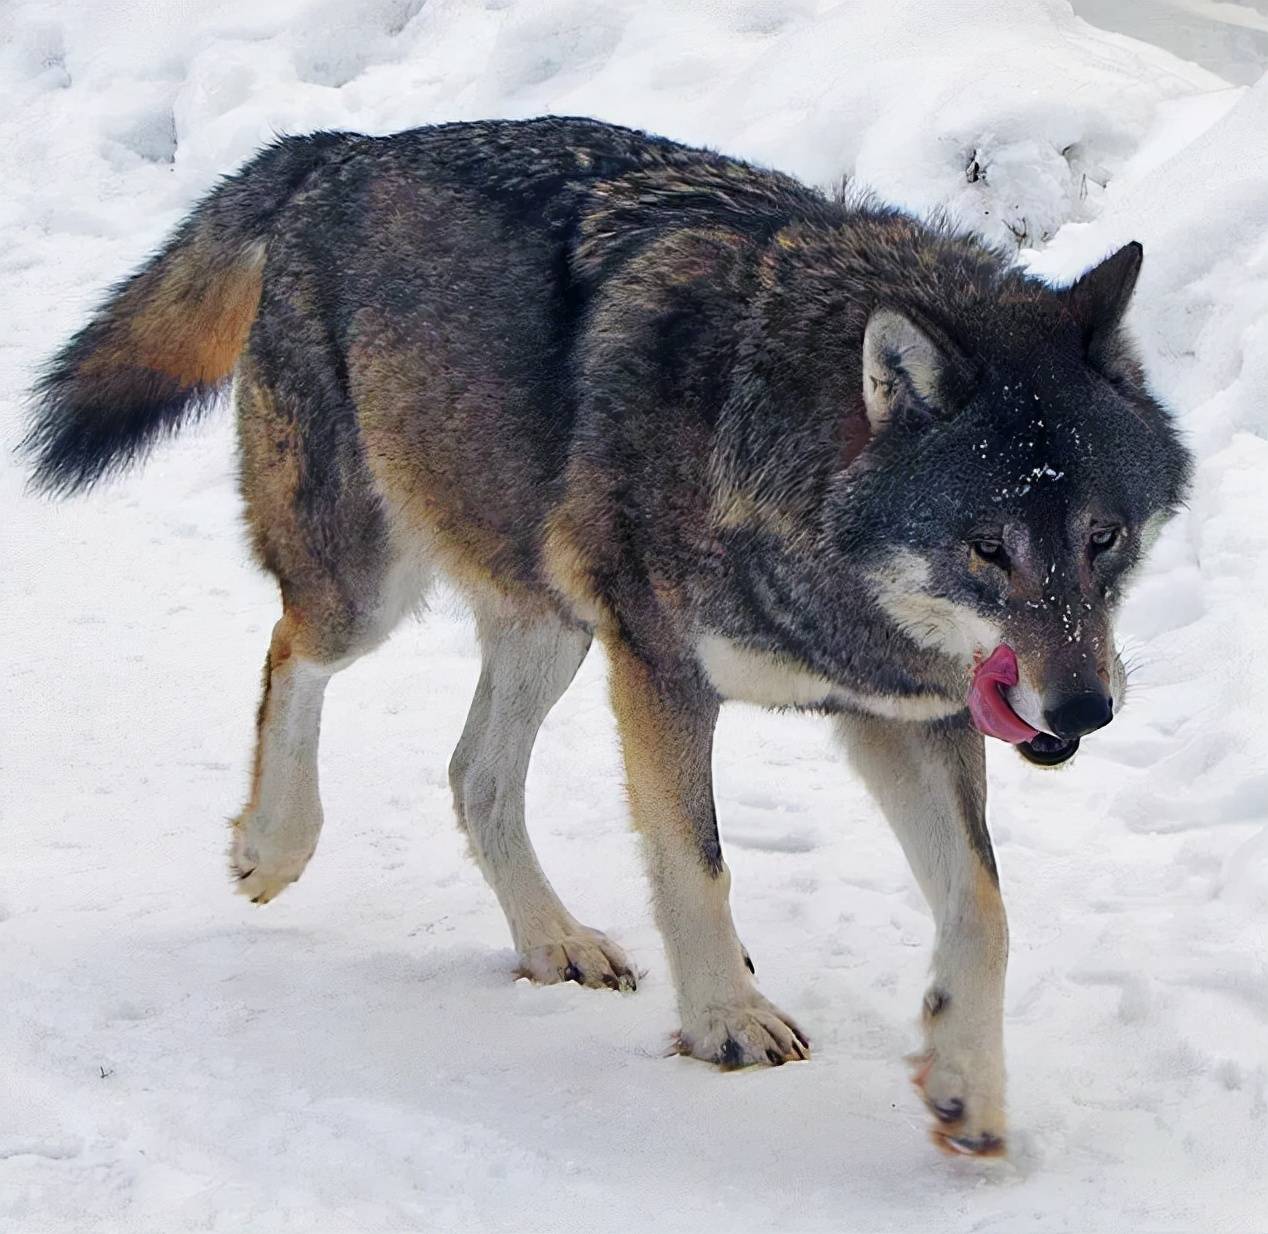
(666, 717)
(930, 780)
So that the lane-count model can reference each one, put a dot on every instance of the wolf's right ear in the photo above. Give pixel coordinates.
(903, 364)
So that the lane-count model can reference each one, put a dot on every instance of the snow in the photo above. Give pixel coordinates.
(357, 1056)
(1228, 38)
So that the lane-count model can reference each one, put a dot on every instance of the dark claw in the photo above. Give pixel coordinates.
(776, 1058)
(748, 963)
(730, 1056)
(796, 1032)
(573, 973)
(936, 1002)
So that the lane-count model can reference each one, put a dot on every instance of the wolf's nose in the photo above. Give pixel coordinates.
(1079, 714)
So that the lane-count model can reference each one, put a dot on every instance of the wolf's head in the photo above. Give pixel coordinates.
(1018, 472)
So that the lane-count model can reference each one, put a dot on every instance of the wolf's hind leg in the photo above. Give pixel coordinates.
(528, 664)
(930, 780)
(318, 526)
(275, 835)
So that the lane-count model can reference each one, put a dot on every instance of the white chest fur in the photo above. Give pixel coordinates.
(743, 675)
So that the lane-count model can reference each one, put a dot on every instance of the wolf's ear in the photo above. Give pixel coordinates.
(1099, 301)
(903, 363)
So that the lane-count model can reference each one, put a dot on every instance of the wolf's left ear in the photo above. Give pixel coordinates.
(1098, 302)
(903, 363)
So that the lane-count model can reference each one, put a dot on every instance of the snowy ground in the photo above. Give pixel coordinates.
(356, 1056)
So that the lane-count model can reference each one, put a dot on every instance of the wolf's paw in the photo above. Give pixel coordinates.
(752, 1033)
(258, 873)
(965, 1097)
(585, 956)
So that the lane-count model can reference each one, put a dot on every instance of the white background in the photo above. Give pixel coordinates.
(357, 1056)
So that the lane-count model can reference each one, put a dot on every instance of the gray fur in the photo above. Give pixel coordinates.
(762, 443)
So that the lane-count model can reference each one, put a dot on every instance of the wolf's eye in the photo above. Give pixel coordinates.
(990, 550)
(1102, 538)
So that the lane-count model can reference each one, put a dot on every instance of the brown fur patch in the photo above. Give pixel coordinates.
(189, 319)
(260, 712)
(271, 473)
(735, 508)
(564, 566)
(331, 583)
(667, 752)
(279, 652)
(990, 905)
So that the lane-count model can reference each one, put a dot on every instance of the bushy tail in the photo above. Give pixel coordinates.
(166, 340)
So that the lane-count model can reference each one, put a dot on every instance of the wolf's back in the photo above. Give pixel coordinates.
(166, 339)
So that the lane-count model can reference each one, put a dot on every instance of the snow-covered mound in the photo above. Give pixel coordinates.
(356, 1056)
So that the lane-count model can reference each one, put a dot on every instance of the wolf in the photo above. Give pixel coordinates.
(767, 444)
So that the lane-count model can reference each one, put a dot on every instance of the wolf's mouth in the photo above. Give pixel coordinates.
(1045, 750)
(994, 716)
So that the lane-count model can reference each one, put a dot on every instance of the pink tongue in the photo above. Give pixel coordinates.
(987, 704)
